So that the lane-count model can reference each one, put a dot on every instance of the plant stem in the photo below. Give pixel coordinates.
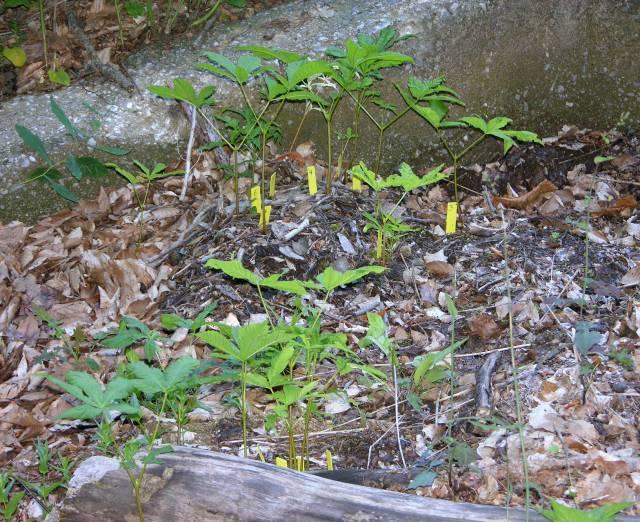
(207, 15)
(187, 173)
(307, 110)
(120, 31)
(514, 369)
(243, 408)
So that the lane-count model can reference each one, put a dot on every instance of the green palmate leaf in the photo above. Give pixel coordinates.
(64, 192)
(408, 181)
(423, 479)
(33, 142)
(476, 122)
(221, 343)
(267, 53)
(280, 362)
(368, 176)
(15, 55)
(233, 269)
(255, 379)
(86, 166)
(294, 287)
(377, 335)
(561, 513)
(300, 71)
(330, 279)
(59, 76)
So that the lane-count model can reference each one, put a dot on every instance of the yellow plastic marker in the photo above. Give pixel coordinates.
(281, 463)
(329, 457)
(313, 184)
(265, 215)
(256, 199)
(357, 183)
(379, 245)
(452, 216)
(299, 464)
(272, 185)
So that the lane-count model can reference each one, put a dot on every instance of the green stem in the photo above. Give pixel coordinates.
(207, 15)
(243, 408)
(120, 31)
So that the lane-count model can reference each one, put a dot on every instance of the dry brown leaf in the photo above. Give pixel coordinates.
(617, 207)
(529, 199)
(632, 277)
(483, 326)
(440, 269)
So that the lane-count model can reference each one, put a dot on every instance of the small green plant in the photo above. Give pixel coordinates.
(432, 100)
(377, 336)
(172, 322)
(131, 331)
(78, 167)
(561, 513)
(145, 177)
(42, 450)
(623, 358)
(241, 345)
(99, 402)
(184, 91)
(8, 502)
(390, 229)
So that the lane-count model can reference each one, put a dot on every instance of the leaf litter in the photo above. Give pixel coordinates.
(576, 341)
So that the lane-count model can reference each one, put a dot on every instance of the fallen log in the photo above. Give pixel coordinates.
(199, 485)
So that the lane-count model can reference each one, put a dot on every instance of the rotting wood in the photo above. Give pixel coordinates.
(484, 402)
(194, 484)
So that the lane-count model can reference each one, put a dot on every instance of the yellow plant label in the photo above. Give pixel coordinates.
(329, 458)
(281, 463)
(299, 464)
(379, 245)
(313, 183)
(265, 215)
(255, 198)
(357, 184)
(452, 217)
(272, 185)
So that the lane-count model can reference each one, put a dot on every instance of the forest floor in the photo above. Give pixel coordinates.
(113, 41)
(562, 242)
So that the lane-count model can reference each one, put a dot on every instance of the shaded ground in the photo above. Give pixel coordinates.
(113, 41)
(580, 394)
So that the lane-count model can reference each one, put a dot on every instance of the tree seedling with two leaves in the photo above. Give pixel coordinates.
(389, 228)
(241, 345)
(183, 91)
(432, 100)
(358, 66)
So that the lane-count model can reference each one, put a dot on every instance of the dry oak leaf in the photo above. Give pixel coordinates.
(617, 207)
(529, 199)
(632, 277)
(483, 326)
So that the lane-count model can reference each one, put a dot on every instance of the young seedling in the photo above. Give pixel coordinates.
(145, 177)
(241, 345)
(131, 331)
(377, 336)
(8, 503)
(184, 91)
(390, 229)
